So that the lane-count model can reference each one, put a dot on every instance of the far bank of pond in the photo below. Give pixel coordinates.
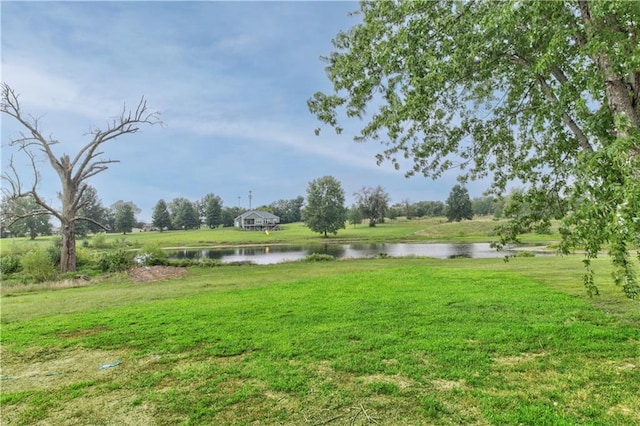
(286, 253)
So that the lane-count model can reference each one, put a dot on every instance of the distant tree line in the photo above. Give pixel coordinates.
(371, 204)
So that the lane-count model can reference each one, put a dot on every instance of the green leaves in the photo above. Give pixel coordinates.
(488, 88)
(325, 212)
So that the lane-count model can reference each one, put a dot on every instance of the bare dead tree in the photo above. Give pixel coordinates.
(73, 171)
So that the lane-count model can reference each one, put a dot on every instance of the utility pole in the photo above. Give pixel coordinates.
(239, 201)
(249, 199)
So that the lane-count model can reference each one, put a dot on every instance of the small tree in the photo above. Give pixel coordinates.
(459, 205)
(325, 211)
(354, 216)
(211, 206)
(125, 219)
(373, 203)
(73, 171)
(161, 217)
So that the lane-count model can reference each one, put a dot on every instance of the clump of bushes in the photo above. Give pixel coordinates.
(38, 265)
(318, 257)
(9, 264)
(525, 254)
(210, 263)
(115, 261)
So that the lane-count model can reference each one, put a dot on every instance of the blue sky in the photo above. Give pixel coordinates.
(231, 80)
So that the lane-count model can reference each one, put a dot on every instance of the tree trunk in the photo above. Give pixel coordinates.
(67, 221)
(68, 250)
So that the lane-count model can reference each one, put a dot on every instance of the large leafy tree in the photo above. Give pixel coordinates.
(124, 218)
(325, 212)
(289, 211)
(115, 211)
(73, 170)
(184, 214)
(373, 203)
(94, 212)
(483, 206)
(229, 214)
(17, 215)
(459, 204)
(429, 208)
(547, 93)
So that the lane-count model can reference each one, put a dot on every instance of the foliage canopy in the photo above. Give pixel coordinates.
(542, 93)
(459, 204)
(325, 211)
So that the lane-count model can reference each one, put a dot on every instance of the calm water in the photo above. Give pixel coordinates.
(283, 253)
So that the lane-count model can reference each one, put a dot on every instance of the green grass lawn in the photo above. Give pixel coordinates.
(376, 341)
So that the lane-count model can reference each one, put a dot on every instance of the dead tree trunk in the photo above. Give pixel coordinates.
(72, 171)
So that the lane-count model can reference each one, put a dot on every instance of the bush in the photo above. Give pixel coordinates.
(9, 264)
(183, 263)
(38, 265)
(211, 263)
(83, 257)
(525, 254)
(115, 261)
(317, 257)
(55, 250)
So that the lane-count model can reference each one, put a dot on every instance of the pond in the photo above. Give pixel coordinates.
(263, 255)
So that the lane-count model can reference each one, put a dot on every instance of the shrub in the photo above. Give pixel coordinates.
(55, 250)
(317, 257)
(525, 254)
(211, 263)
(38, 265)
(83, 257)
(115, 261)
(9, 264)
(182, 263)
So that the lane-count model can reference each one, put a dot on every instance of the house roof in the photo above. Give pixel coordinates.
(260, 213)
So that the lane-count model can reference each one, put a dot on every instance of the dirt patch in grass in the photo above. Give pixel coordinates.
(122, 407)
(26, 372)
(73, 381)
(518, 359)
(145, 274)
(447, 385)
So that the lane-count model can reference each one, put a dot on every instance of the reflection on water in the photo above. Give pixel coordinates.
(283, 253)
